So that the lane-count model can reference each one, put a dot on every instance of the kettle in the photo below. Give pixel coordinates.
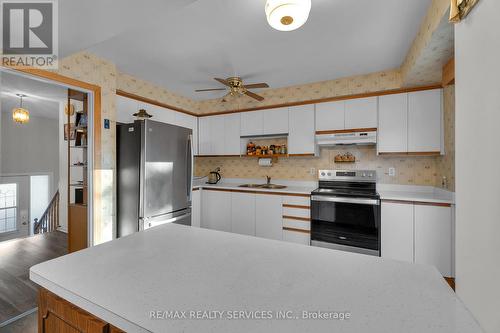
(214, 177)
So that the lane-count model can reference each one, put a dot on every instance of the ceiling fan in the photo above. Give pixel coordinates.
(237, 88)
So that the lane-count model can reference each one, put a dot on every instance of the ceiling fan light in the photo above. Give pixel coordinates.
(287, 15)
(20, 115)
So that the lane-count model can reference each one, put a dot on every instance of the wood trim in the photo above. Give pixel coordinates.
(451, 282)
(196, 189)
(420, 203)
(154, 102)
(296, 206)
(301, 155)
(297, 230)
(354, 130)
(449, 73)
(437, 204)
(303, 219)
(413, 153)
(328, 99)
(402, 202)
(222, 156)
(255, 192)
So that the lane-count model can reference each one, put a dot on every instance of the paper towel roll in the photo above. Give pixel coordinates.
(266, 162)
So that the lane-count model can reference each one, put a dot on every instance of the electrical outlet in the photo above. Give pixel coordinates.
(312, 171)
(392, 172)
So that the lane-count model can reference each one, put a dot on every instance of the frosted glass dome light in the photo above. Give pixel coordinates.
(287, 15)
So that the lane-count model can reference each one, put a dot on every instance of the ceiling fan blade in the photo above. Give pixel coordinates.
(216, 89)
(224, 82)
(253, 95)
(256, 85)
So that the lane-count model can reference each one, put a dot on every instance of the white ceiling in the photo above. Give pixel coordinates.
(42, 98)
(183, 44)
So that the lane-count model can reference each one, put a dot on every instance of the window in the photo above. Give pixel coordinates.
(8, 207)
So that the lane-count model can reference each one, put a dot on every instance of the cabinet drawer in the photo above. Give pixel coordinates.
(296, 237)
(296, 224)
(296, 212)
(296, 200)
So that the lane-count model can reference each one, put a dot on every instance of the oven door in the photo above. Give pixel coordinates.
(346, 221)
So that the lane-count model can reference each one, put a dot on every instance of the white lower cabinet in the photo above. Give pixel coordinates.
(216, 210)
(433, 237)
(268, 216)
(196, 209)
(243, 213)
(296, 237)
(419, 233)
(397, 231)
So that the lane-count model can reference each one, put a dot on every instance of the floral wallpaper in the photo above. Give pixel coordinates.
(410, 170)
(431, 49)
(446, 163)
(385, 80)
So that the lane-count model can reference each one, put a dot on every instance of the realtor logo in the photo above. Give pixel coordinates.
(29, 33)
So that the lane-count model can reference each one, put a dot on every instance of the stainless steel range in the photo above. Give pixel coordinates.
(345, 211)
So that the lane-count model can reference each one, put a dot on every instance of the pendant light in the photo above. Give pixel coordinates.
(287, 15)
(20, 115)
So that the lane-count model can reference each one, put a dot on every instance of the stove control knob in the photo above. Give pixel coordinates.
(364, 175)
(322, 173)
(329, 174)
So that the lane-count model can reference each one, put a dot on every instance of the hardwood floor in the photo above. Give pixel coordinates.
(26, 324)
(17, 293)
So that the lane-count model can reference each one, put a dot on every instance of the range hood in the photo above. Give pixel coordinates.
(348, 138)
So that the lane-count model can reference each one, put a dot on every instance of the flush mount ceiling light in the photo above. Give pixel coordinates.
(20, 115)
(287, 15)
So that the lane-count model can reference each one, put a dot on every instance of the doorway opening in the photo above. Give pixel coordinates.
(45, 181)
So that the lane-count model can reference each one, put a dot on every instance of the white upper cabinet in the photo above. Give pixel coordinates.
(301, 126)
(204, 139)
(330, 116)
(425, 121)
(217, 134)
(397, 231)
(361, 113)
(433, 237)
(393, 123)
(252, 123)
(275, 121)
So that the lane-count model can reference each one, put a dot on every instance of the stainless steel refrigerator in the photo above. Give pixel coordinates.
(154, 175)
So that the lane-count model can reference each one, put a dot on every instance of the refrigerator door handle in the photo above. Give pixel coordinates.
(150, 224)
(190, 163)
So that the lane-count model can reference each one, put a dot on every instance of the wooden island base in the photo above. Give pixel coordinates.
(58, 315)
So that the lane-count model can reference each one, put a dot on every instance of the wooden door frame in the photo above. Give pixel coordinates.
(96, 131)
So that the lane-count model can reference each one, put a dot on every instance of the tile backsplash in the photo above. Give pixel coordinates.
(410, 170)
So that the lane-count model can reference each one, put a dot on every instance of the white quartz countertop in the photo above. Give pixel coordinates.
(415, 193)
(179, 268)
(293, 187)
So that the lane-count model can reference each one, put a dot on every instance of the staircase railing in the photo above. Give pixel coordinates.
(50, 218)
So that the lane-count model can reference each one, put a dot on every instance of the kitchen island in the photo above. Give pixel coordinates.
(174, 278)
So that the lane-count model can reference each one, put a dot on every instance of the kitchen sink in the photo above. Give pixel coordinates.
(273, 186)
(251, 185)
(268, 186)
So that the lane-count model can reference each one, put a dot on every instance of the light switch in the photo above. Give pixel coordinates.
(392, 172)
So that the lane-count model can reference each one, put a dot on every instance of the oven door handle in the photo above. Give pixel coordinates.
(361, 201)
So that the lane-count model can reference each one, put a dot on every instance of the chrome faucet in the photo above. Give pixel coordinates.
(268, 180)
